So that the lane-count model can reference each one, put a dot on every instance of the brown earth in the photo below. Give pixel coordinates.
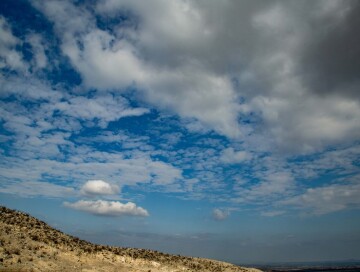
(28, 244)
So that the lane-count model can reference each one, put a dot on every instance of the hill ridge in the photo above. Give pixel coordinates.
(29, 244)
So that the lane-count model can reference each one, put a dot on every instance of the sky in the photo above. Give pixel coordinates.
(220, 129)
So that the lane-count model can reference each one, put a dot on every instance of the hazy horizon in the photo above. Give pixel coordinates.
(220, 129)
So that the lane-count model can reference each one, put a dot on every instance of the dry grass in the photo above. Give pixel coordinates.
(28, 244)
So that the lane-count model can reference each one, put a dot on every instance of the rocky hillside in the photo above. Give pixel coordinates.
(28, 244)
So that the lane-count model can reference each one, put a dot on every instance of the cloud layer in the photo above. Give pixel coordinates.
(249, 101)
(209, 85)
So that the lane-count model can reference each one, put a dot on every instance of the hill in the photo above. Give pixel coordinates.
(28, 244)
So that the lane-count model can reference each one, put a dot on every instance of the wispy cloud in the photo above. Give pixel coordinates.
(327, 199)
(272, 213)
(37, 189)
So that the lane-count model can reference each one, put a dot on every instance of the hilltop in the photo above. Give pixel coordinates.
(29, 244)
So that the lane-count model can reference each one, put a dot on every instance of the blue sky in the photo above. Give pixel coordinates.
(227, 130)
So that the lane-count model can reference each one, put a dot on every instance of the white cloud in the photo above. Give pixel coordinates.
(38, 49)
(164, 58)
(231, 66)
(98, 110)
(86, 163)
(99, 187)
(220, 215)
(327, 199)
(35, 189)
(9, 57)
(105, 108)
(32, 89)
(108, 208)
(294, 114)
(107, 62)
(272, 213)
(273, 185)
(229, 155)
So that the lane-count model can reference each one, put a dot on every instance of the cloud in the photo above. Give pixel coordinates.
(220, 215)
(107, 208)
(36, 188)
(327, 199)
(253, 71)
(272, 213)
(87, 163)
(112, 61)
(330, 62)
(46, 139)
(273, 185)
(232, 80)
(294, 114)
(99, 187)
(38, 49)
(9, 57)
(104, 108)
(229, 155)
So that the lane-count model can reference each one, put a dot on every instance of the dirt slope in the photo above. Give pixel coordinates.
(28, 244)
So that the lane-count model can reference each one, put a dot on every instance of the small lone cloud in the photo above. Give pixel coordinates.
(220, 215)
(107, 208)
(99, 187)
(272, 213)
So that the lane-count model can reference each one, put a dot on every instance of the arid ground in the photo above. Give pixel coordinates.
(28, 244)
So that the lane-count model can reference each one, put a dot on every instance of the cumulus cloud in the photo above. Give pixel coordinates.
(271, 79)
(297, 117)
(106, 61)
(99, 187)
(219, 214)
(107, 208)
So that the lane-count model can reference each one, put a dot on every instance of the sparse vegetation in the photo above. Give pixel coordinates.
(28, 244)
